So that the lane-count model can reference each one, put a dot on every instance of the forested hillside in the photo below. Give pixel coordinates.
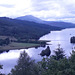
(23, 29)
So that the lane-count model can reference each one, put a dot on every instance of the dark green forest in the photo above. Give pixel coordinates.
(4, 42)
(23, 29)
(57, 64)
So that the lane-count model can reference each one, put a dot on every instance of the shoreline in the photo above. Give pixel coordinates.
(11, 47)
(18, 46)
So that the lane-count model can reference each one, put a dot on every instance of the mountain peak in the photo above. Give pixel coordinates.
(30, 18)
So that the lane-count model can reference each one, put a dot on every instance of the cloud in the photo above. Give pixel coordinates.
(57, 10)
(49, 7)
(6, 5)
(15, 8)
(43, 9)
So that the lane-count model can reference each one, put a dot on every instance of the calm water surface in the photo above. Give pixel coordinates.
(8, 60)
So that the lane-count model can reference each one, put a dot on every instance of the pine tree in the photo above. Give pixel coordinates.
(59, 53)
(25, 66)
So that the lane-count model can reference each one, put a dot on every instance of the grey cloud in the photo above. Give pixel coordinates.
(66, 8)
(39, 5)
(64, 17)
(69, 8)
(7, 5)
(45, 9)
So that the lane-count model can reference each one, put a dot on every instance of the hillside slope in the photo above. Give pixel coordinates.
(23, 29)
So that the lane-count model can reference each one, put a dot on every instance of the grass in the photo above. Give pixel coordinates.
(15, 45)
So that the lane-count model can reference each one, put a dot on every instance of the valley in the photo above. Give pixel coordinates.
(23, 34)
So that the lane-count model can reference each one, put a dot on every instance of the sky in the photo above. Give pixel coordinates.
(50, 10)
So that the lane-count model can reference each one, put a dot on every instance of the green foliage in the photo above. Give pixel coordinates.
(4, 41)
(23, 29)
(25, 66)
(64, 66)
(7, 41)
(47, 66)
(72, 39)
(51, 66)
(31, 41)
(59, 53)
(72, 57)
(46, 52)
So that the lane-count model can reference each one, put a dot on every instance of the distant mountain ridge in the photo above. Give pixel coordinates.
(60, 24)
(52, 23)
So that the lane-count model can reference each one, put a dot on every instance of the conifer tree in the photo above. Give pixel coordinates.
(25, 66)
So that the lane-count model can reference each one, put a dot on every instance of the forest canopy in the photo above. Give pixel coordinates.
(57, 64)
(23, 29)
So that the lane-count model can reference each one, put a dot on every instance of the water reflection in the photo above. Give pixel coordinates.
(62, 38)
(8, 60)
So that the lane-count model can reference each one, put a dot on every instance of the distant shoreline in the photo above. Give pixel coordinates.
(14, 46)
